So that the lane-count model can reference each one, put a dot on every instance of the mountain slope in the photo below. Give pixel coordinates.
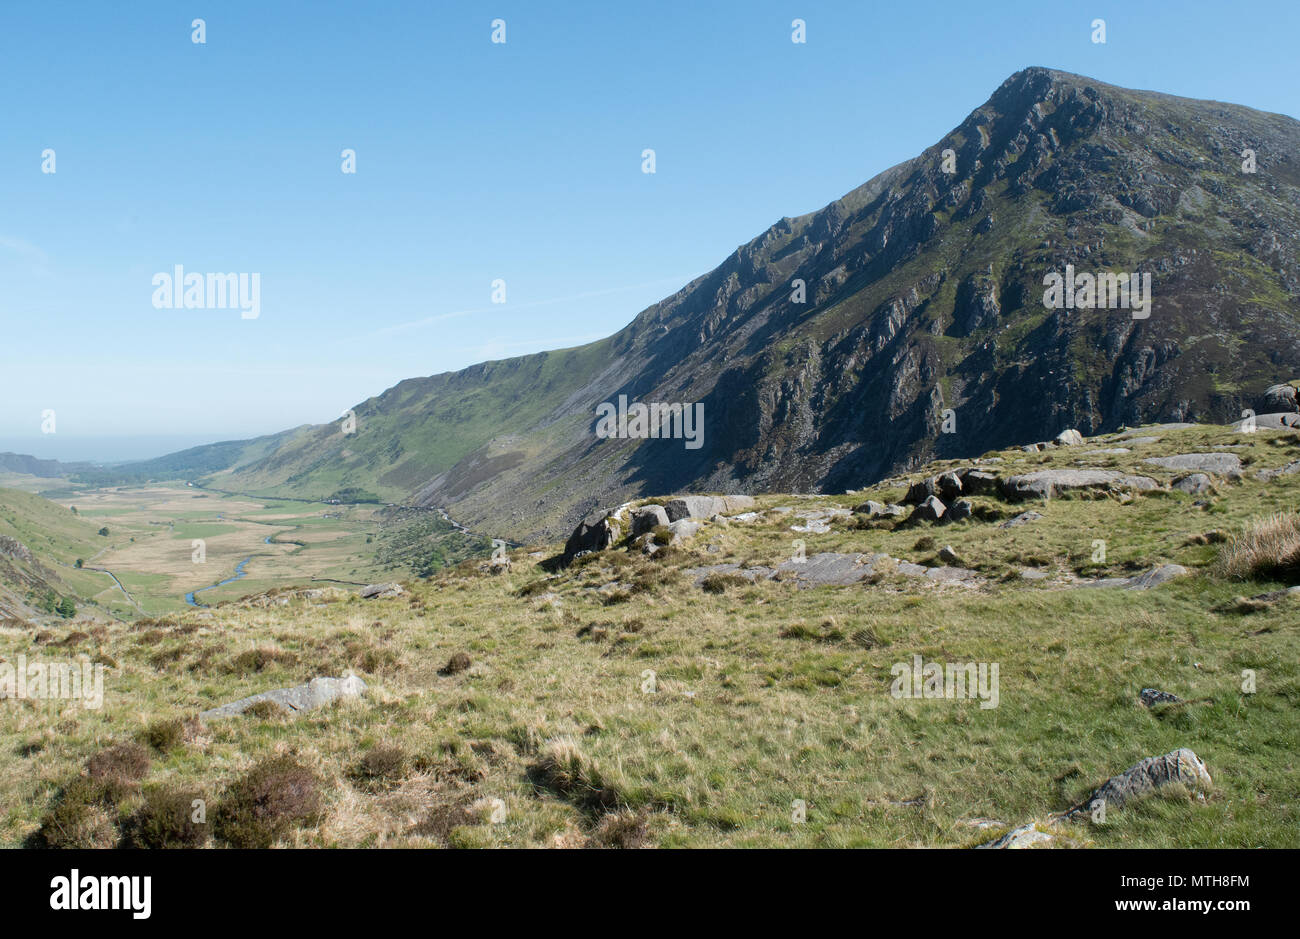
(40, 543)
(924, 292)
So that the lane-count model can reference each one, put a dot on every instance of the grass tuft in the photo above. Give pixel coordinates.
(1269, 548)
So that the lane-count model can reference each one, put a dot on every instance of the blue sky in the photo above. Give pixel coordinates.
(475, 161)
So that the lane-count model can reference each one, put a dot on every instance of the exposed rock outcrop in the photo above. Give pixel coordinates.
(315, 694)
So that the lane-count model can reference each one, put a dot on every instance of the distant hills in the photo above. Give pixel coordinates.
(45, 469)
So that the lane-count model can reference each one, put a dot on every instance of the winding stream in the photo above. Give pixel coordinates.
(240, 573)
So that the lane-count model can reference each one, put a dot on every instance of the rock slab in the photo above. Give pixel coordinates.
(316, 693)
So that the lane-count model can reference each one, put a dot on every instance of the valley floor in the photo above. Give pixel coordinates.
(151, 547)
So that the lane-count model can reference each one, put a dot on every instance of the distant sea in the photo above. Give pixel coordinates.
(70, 448)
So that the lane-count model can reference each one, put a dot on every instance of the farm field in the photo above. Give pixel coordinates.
(164, 543)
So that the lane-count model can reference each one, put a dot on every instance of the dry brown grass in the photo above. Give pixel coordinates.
(1267, 548)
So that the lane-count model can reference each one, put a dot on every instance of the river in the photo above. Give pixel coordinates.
(240, 573)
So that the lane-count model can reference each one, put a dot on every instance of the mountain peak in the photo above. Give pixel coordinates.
(902, 322)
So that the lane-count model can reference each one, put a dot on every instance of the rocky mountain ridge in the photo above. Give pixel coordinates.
(900, 323)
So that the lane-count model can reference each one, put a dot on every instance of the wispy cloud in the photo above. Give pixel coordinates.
(38, 260)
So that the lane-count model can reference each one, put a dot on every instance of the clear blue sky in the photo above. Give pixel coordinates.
(474, 161)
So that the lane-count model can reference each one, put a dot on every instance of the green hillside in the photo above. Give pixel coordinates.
(56, 539)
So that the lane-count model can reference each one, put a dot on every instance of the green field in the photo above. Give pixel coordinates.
(150, 544)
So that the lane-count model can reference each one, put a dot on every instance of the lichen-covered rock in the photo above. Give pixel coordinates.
(1158, 575)
(1153, 773)
(949, 487)
(1267, 475)
(1045, 484)
(691, 507)
(316, 693)
(1150, 697)
(830, 569)
(921, 490)
(1194, 484)
(1280, 398)
(1025, 836)
(1221, 464)
(706, 506)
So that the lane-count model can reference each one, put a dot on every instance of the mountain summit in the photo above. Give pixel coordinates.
(910, 319)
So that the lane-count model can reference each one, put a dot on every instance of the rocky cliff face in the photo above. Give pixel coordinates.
(922, 332)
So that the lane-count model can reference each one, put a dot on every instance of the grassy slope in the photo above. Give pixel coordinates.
(422, 427)
(746, 720)
(57, 538)
(49, 530)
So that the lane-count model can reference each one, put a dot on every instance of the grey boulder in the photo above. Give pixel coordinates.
(730, 505)
(1194, 484)
(1144, 581)
(683, 529)
(596, 532)
(1268, 475)
(1280, 398)
(830, 569)
(878, 509)
(959, 510)
(1045, 484)
(315, 694)
(1280, 420)
(647, 518)
(1150, 697)
(706, 506)
(949, 486)
(691, 507)
(1222, 464)
(1153, 773)
(931, 510)
(978, 482)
